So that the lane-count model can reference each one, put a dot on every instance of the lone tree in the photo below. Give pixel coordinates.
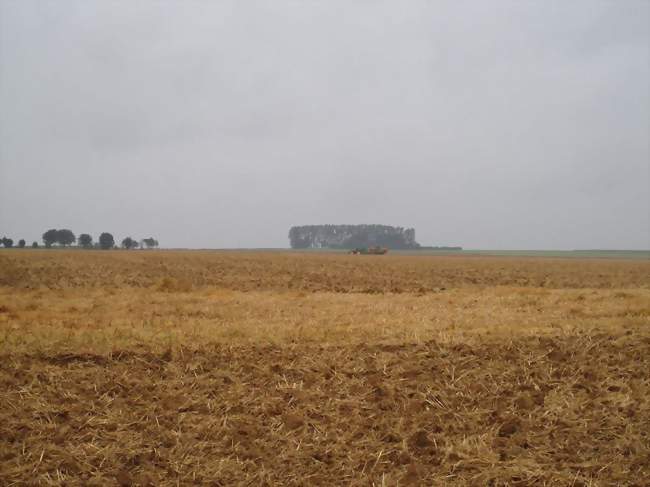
(50, 237)
(128, 243)
(21, 243)
(150, 242)
(85, 240)
(7, 242)
(34, 245)
(65, 237)
(106, 241)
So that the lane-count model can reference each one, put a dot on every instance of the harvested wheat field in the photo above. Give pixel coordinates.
(217, 368)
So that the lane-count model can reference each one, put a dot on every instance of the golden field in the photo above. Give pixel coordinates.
(282, 368)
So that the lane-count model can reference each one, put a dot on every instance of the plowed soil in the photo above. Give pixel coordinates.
(138, 377)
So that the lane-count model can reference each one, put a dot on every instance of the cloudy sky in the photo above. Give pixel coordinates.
(502, 124)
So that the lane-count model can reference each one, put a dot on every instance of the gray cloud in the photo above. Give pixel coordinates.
(220, 124)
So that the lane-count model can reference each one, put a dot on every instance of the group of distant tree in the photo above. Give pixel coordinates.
(62, 237)
(65, 238)
(9, 243)
(352, 236)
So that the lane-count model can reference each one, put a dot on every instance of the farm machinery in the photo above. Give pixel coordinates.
(369, 251)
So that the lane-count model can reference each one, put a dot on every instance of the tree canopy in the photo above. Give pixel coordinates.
(50, 237)
(106, 241)
(62, 237)
(85, 240)
(128, 243)
(150, 242)
(65, 237)
(352, 236)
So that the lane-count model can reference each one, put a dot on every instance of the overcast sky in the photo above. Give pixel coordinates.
(502, 125)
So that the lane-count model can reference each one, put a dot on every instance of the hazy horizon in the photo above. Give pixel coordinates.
(488, 125)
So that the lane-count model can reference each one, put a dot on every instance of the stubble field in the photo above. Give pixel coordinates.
(217, 368)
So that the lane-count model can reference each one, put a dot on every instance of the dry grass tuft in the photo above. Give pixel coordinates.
(172, 285)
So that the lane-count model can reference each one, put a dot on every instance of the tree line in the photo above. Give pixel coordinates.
(352, 236)
(65, 238)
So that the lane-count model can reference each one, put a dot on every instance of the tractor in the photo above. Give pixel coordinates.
(369, 251)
